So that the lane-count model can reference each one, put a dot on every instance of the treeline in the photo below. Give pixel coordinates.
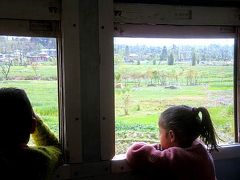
(24, 45)
(152, 77)
(164, 75)
(139, 54)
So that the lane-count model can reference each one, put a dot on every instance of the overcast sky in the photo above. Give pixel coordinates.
(169, 42)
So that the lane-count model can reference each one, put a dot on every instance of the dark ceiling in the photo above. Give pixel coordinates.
(221, 3)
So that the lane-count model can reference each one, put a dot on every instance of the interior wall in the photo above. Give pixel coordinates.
(30, 10)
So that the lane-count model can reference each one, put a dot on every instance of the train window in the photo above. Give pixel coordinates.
(30, 63)
(152, 74)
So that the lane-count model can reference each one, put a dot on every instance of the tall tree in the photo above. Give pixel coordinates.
(194, 59)
(126, 54)
(175, 51)
(164, 54)
(170, 59)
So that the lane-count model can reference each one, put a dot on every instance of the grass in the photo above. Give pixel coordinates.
(213, 90)
(43, 96)
(27, 71)
(146, 103)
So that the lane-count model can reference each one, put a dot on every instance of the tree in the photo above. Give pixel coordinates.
(118, 59)
(194, 61)
(49, 43)
(34, 66)
(191, 77)
(125, 95)
(138, 62)
(162, 76)
(175, 52)
(149, 75)
(155, 76)
(5, 68)
(164, 54)
(154, 62)
(170, 59)
(126, 51)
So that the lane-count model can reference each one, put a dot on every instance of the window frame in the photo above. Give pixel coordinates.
(169, 21)
(127, 23)
(41, 28)
(172, 31)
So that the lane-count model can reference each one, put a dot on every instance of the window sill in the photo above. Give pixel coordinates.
(232, 151)
(227, 152)
(119, 164)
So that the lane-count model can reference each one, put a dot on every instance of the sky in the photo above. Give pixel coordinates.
(171, 41)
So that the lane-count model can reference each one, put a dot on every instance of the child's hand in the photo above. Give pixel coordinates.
(36, 117)
(157, 146)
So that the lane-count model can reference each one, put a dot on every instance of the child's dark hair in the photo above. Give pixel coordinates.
(187, 125)
(16, 116)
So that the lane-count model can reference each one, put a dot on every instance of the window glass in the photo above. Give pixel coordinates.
(30, 63)
(152, 74)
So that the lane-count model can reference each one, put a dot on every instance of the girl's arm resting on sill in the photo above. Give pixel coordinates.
(43, 136)
(141, 155)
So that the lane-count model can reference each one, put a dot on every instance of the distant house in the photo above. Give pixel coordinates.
(7, 58)
(185, 55)
(131, 58)
(2, 57)
(41, 57)
(49, 52)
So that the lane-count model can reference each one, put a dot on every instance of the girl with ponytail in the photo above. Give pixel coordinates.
(187, 138)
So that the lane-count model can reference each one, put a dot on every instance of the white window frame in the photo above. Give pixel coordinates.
(169, 21)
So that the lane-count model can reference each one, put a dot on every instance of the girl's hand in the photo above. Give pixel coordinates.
(157, 146)
(36, 118)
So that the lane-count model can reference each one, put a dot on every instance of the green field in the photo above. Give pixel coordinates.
(43, 93)
(144, 103)
(142, 94)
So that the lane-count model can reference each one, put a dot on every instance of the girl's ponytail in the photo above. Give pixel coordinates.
(207, 132)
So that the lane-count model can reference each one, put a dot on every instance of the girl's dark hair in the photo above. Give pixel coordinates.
(187, 125)
(16, 116)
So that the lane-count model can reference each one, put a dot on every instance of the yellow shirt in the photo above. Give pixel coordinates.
(32, 163)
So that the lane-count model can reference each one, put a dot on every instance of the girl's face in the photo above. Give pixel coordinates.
(165, 139)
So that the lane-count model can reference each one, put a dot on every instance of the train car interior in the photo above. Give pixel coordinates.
(97, 59)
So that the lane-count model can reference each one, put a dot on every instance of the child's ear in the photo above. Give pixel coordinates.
(171, 136)
(33, 126)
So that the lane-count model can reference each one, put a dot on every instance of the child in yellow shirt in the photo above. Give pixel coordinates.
(17, 122)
